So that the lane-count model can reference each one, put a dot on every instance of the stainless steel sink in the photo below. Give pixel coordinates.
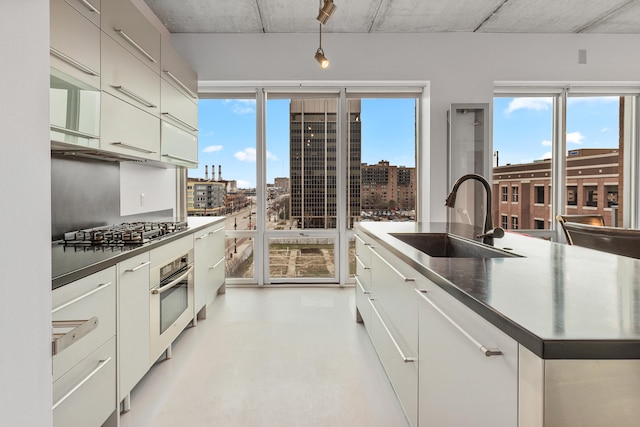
(446, 245)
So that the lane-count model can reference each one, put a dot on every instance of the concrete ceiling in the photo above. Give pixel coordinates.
(400, 16)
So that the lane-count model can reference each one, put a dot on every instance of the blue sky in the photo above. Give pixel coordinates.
(521, 130)
(522, 126)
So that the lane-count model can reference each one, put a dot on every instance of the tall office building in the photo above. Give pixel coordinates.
(313, 162)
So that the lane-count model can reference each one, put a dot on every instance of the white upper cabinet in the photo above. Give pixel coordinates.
(178, 109)
(89, 8)
(127, 25)
(126, 77)
(75, 43)
(176, 71)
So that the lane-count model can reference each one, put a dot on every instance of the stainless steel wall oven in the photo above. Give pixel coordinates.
(171, 299)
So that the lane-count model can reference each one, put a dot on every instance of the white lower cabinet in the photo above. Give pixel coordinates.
(85, 396)
(468, 368)
(209, 266)
(133, 325)
(84, 371)
(398, 363)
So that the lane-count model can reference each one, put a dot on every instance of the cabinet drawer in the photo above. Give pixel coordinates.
(89, 8)
(177, 108)
(363, 262)
(176, 70)
(83, 299)
(210, 242)
(457, 372)
(75, 43)
(215, 278)
(124, 76)
(128, 130)
(86, 395)
(178, 146)
(393, 286)
(362, 303)
(400, 366)
(127, 25)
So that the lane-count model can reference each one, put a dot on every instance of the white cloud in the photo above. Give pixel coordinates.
(528, 104)
(546, 143)
(249, 155)
(246, 155)
(243, 106)
(547, 155)
(212, 148)
(575, 137)
(605, 129)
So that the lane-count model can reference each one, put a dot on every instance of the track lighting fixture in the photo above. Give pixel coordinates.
(326, 11)
(322, 60)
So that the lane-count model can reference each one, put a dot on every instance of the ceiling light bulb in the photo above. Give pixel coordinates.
(322, 60)
(326, 11)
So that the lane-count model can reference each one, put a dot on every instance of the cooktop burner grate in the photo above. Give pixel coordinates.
(125, 234)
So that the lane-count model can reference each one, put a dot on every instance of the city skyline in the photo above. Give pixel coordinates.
(227, 135)
(521, 132)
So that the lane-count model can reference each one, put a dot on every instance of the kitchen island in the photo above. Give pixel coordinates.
(563, 323)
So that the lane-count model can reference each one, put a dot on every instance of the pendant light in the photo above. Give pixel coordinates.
(322, 60)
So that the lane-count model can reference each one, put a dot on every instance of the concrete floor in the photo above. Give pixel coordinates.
(289, 356)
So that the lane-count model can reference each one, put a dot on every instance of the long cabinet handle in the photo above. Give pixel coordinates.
(486, 351)
(210, 233)
(71, 132)
(173, 282)
(402, 276)
(364, 291)
(217, 264)
(360, 262)
(182, 159)
(362, 241)
(133, 147)
(135, 45)
(62, 340)
(73, 62)
(101, 364)
(89, 6)
(179, 83)
(133, 95)
(395, 343)
(181, 122)
(134, 269)
(100, 287)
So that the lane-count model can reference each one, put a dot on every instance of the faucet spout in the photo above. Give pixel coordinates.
(488, 233)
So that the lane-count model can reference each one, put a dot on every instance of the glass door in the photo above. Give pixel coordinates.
(302, 168)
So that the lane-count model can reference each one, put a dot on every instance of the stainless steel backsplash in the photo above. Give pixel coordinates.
(85, 194)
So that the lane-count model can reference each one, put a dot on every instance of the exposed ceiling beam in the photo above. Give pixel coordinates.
(375, 16)
(607, 15)
(490, 15)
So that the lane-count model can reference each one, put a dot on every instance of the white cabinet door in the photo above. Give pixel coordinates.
(460, 383)
(176, 70)
(126, 77)
(178, 108)
(133, 325)
(89, 8)
(178, 146)
(75, 43)
(128, 130)
(209, 265)
(122, 20)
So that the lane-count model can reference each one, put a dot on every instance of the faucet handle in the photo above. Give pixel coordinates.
(496, 233)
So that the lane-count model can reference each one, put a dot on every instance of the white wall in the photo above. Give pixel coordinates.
(157, 184)
(25, 184)
(461, 68)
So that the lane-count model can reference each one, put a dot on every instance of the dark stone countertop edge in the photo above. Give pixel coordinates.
(194, 226)
(556, 349)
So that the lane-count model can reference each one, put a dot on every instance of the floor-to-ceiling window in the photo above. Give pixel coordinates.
(300, 168)
(576, 137)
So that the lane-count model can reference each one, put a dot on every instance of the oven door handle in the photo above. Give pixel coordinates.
(173, 282)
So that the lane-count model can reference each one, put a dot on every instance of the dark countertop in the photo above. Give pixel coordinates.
(559, 301)
(70, 264)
